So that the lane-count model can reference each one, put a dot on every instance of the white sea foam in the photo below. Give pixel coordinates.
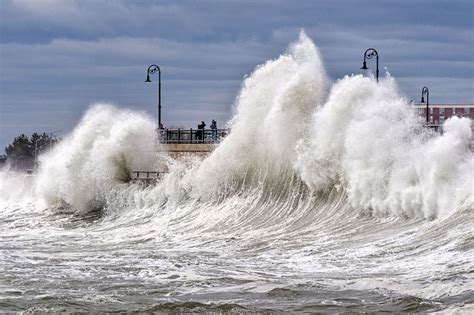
(16, 187)
(97, 157)
(272, 112)
(369, 139)
(360, 135)
(317, 186)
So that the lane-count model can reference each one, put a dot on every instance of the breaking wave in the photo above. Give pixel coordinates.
(292, 133)
(312, 172)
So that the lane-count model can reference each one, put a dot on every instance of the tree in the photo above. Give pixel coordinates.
(22, 151)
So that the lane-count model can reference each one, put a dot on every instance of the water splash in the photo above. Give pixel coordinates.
(321, 191)
(97, 157)
(370, 140)
(272, 112)
(292, 134)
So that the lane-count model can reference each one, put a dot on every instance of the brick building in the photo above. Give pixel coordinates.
(440, 112)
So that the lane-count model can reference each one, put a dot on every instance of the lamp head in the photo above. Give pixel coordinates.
(148, 78)
(422, 99)
(364, 66)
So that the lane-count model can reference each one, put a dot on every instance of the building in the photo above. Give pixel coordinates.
(440, 112)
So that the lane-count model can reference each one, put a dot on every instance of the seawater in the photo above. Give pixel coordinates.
(325, 197)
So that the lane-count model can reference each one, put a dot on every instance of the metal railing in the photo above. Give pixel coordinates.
(191, 135)
(146, 177)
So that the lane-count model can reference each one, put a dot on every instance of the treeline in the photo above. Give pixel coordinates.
(22, 153)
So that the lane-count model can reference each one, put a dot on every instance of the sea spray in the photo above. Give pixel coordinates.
(272, 112)
(327, 218)
(16, 187)
(362, 136)
(370, 140)
(289, 135)
(98, 156)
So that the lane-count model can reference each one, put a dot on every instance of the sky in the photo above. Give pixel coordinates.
(57, 57)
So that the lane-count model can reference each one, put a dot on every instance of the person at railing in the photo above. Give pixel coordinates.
(214, 130)
(200, 131)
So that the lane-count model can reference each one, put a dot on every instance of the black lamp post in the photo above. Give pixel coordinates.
(369, 54)
(426, 92)
(152, 69)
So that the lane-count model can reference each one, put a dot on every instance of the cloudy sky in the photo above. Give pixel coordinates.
(57, 57)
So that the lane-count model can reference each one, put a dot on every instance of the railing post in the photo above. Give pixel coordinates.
(195, 135)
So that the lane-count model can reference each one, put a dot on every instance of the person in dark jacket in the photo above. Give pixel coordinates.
(214, 130)
(200, 131)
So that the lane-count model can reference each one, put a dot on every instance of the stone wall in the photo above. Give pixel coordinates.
(180, 150)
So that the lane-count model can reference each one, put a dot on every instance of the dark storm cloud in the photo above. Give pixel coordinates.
(57, 57)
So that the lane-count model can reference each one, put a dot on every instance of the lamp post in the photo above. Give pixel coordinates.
(369, 54)
(152, 69)
(426, 92)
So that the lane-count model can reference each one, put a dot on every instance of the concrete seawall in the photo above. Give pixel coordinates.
(180, 150)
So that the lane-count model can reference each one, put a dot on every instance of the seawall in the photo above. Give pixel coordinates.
(180, 150)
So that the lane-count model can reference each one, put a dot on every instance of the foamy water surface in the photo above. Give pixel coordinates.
(354, 208)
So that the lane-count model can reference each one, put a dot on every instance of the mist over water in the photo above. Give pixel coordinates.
(325, 197)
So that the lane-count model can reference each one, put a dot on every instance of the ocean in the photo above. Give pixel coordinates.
(326, 197)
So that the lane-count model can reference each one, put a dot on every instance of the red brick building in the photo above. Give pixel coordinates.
(440, 112)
